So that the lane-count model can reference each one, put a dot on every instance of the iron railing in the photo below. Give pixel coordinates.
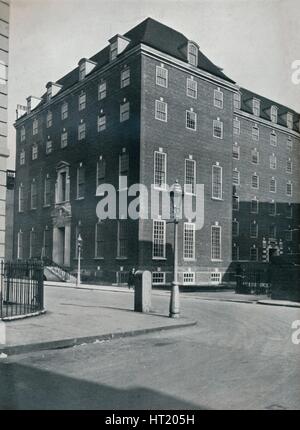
(251, 281)
(21, 288)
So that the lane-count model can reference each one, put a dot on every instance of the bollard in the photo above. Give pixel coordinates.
(174, 302)
(2, 333)
(142, 291)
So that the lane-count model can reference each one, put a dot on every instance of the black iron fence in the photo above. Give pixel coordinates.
(253, 280)
(21, 288)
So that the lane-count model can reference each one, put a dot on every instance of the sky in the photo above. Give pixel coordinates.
(255, 42)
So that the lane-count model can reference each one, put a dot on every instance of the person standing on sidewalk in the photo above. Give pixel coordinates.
(131, 278)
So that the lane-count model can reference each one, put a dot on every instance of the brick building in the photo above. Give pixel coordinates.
(150, 106)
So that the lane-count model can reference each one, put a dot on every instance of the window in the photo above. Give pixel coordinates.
(101, 123)
(64, 139)
(124, 112)
(190, 176)
(289, 234)
(236, 152)
(254, 206)
(33, 195)
(22, 157)
(159, 239)
(64, 110)
(102, 88)
(160, 169)
(113, 51)
(273, 161)
(237, 101)
(191, 120)
(161, 110)
(217, 182)
(235, 228)
(99, 240)
(47, 191)
(289, 188)
(272, 231)
(235, 252)
(272, 208)
(191, 88)
(46, 243)
(274, 114)
(253, 229)
(122, 239)
(236, 177)
(236, 126)
(289, 144)
(235, 203)
(22, 134)
(255, 181)
(253, 253)
(216, 242)
(218, 98)
(188, 277)
(49, 147)
(81, 131)
(21, 199)
(80, 182)
(255, 132)
(101, 167)
(188, 241)
(289, 166)
(273, 138)
(255, 156)
(158, 278)
(161, 76)
(215, 278)
(82, 71)
(123, 164)
(20, 245)
(256, 107)
(82, 101)
(35, 127)
(289, 211)
(192, 54)
(289, 120)
(125, 77)
(218, 129)
(49, 119)
(34, 152)
(62, 187)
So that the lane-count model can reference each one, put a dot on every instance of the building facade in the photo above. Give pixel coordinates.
(151, 108)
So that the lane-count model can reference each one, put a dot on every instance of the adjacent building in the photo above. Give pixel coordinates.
(153, 108)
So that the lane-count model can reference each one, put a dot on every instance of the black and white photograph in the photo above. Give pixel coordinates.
(149, 207)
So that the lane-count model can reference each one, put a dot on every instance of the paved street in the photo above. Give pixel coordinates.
(239, 356)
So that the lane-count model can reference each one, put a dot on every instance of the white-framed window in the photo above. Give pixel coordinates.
(253, 253)
(124, 112)
(289, 166)
(235, 228)
(191, 88)
(273, 138)
(22, 157)
(218, 128)
(256, 107)
(161, 110)
(161, 76)
(274, 114)
(236, 126)
(289, 120)
(255, 156)
(49, 119)
(216, 242)
(191, 120)
(81, 131)
(34, 151)
(237, 101)
(289, 234)
(32, 243)
(289, 144)
(192, 54)
(253, 229)
(215, 278)
(49, 93)
(125, 77)
(80, 181)
(123, 167)
(255, 132)
(113, 51)
(122, 248)
(218, 98)
(20, 253)
(22, 134)
(289, 188)
(33, 195)
(64, 110)
(46, 242)
(49, 147)
(102, 89)
(235, 252)
(47, 191)
(64, 139)
(158, 278)
(217, 173)
(21, 200)
(289, 210)
(159, 239)
(254, 206)
(82, 101)
(160, 169)
(272, 208)
(101, 123)
(236, 177)
(273, 162)
(188, 241)
(272, 231)
(255, 181)
(99, 240)
(190, 176)
(82, 71)
(235, 203)
(188, 278)
(35, 126)
(101, 168)
(235, 152)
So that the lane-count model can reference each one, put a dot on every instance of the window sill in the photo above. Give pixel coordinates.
(216, 260)
(98, 258)
(217, 199)
(46, 206)
(121, 258)
(159, 258)
(79, 198)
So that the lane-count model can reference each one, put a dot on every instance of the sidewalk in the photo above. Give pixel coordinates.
(76, 316)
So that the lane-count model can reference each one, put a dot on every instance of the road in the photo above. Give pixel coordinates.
(239, 356)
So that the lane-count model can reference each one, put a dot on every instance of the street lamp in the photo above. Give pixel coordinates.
(79, 246)
(176, 199)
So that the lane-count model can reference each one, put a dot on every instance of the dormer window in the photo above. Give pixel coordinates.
(274, 114)
(52, 90)
(85, 67)
(49, 93)
(256, 107)
(193, 54)
(113, 51)
(82, 71)
(289, 120)
(117, 45)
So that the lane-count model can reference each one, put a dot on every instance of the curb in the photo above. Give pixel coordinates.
(287, 305)
(71, 342)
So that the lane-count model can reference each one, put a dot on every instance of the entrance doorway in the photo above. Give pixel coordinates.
(60, 246)
(273, 252)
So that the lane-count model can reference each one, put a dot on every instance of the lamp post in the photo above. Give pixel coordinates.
(79, 246)
(176, 199)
